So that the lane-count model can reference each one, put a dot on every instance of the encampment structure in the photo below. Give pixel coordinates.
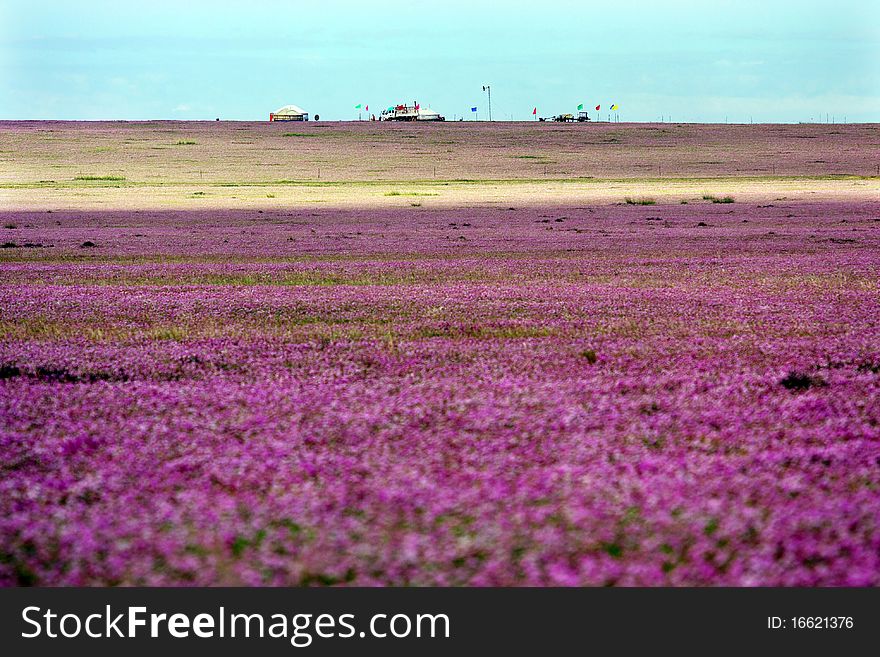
(289, 113)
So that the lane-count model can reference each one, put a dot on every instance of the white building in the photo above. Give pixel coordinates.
(427, 114)
(289, 113)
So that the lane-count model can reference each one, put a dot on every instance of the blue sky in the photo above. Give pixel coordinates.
(691, 61)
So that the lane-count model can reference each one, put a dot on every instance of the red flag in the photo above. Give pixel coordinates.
(367, 108)
(597, 108)
(535, 111)
(417, 106)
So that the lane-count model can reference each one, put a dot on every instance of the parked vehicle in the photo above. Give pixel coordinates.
(414, 112)
(582, 117)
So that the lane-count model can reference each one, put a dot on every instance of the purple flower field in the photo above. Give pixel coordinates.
(682, 394)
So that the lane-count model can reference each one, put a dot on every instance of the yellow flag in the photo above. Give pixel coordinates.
(613, 107)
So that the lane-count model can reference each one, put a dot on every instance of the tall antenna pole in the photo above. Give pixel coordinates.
(488, 90)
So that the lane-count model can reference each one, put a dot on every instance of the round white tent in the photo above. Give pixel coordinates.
(427, 114)
(289, 113)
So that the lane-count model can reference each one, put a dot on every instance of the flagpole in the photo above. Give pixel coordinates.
(488, 90)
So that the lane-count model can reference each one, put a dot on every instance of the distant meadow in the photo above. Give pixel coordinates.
(455, 354)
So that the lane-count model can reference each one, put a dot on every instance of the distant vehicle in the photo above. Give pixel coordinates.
(582, 117)
(414, 112)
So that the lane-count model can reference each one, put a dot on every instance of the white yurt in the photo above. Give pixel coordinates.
(289, 113)
(427, 114)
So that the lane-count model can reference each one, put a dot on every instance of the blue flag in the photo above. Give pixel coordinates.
(473, 109)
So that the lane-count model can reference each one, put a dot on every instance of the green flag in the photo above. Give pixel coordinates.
(358, 106)
(581, 106)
